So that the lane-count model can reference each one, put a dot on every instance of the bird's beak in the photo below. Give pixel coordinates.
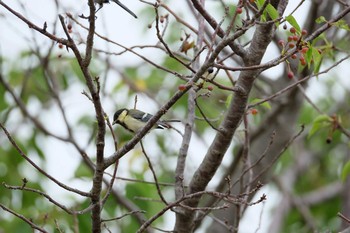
(114, 122)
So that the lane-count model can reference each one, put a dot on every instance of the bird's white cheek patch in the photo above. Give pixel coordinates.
(122, 116)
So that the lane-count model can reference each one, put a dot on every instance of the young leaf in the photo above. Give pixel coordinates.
(320, 122)
(260, 3)
(273, 13)
(321, 19)
(291, 20)
(316, 56)
(342, 25)
(228, 100)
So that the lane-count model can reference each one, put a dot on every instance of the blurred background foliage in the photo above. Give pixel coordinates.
(39, 80)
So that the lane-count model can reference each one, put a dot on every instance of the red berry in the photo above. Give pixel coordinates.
(69, 26)
(254, 111)
(293, 30)
(303, 62)
(290, 75)
(182, 87)
(304, 50)
(290, 38)
(295, 38)
(281, 42)
(210, 88)
(60, 45)
(291, 45)
(239, 10)
(304, 32)
(294, 56)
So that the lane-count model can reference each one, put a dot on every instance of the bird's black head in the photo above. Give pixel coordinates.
(116, 115)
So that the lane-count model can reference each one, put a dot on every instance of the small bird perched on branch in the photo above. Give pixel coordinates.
(101, 2)
(134, 120)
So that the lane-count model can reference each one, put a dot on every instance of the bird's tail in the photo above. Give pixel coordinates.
(171, 120)
(164, 124)
(125, 8)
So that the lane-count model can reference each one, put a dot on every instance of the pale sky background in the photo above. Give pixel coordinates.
(119, 26)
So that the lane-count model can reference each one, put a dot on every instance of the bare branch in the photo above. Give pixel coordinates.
(14, 144)
(28, 221)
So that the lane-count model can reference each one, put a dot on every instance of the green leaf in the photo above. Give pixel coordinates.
(273, 13)
(316, 56)
(346, 171)
(339, 24)
(260, 3)
(342, 25)
(320, 122)
(291, 20)
(323, 118)
(228, 101)
(308, 56)
(321, 19)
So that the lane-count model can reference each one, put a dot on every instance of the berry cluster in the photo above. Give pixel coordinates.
(295, 39)
(60, 45)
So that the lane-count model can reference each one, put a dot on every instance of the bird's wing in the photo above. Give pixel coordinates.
(140, 115)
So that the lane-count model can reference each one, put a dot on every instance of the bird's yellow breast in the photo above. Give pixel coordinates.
(130, 122)
(133, 124)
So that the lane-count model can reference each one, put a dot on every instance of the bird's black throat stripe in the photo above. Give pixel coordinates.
(125, 126)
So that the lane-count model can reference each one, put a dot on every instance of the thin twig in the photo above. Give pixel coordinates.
(160, 38)
(154, 174)
(48, 197)
(298, 82)
(266, 168)
(124, 215)
(29, 221)
(15, 145)
(342, 216)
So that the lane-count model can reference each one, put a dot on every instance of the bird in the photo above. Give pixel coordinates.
(134, 120)
(101, 2)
